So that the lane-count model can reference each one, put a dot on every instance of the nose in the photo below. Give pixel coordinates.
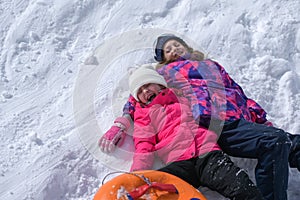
(174, 50)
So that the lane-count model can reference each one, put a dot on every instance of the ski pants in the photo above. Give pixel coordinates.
(216, 171)
(294, 157)
(270, 146)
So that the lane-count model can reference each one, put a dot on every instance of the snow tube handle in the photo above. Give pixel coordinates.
(141, 190)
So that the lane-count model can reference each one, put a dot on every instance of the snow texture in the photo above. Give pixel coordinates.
(63, 79)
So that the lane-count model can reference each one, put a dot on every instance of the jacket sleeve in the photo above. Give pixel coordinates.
(144, 141)
(129, 107)
(258, 114)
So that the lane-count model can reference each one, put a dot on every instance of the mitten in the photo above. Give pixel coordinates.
(115, 135)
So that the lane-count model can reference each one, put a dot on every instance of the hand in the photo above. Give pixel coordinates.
(268, 123)
(115, 135)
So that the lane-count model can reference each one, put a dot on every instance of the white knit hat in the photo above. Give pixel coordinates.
(143, 75)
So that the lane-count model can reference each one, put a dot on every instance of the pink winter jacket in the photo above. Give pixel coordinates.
(166, 128)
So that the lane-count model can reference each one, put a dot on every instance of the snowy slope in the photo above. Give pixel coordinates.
(63, 70)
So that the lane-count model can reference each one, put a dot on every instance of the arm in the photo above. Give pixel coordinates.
(144, 142)
(116, 134)
(258, 114)
(129, 107)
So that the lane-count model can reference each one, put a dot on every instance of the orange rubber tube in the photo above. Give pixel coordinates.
(154, 185)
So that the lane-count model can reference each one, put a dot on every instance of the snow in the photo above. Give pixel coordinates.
(63, 79)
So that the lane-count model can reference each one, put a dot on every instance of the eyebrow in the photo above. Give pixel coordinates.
(173, 43)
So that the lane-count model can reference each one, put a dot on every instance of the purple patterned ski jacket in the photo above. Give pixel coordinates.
(213, 94)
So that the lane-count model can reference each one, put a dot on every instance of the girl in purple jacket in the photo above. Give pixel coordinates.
(219, 104)
(164, 126)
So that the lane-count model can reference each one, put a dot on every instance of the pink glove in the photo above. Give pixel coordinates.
(115, 135)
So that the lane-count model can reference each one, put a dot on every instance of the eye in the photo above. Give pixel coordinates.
(168, 50)
(139, 91)
(143, 87)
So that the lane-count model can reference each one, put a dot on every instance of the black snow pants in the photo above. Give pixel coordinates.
(216, 171)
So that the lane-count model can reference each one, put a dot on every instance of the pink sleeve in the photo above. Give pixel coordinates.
(144, 142)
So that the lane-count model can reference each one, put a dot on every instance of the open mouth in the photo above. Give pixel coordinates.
(150, 98)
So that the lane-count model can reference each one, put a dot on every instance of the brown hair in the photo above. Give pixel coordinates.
(195, 55)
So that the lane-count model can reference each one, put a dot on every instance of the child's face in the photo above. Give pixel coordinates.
(148, 92)
(173, 50)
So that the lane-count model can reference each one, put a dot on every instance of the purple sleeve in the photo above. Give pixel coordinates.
(258, 114)
(129, 107)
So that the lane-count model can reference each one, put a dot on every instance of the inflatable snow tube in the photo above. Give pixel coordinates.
(148, 184)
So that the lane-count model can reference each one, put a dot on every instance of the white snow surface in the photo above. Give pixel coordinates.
(63, 79)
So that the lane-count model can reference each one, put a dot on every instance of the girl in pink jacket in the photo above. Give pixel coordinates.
(164, 126)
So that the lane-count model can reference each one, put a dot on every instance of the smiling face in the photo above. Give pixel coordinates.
(173, 50)
(148, 92)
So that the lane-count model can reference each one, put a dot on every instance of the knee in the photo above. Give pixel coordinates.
(275, 138)
(280, 137)
(243, 188)
(283, 137)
